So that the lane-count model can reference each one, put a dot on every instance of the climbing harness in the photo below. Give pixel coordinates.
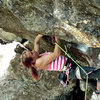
(66, 53)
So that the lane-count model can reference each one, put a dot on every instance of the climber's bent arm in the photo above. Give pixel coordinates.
(36, 43)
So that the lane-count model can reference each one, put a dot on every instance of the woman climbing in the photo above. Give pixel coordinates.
(51, 61)
(33, 59)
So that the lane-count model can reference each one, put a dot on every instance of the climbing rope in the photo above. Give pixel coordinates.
(66, 53)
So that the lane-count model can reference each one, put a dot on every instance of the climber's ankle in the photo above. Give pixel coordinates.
(98, 87)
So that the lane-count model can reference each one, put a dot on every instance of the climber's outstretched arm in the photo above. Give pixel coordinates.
(57, 50)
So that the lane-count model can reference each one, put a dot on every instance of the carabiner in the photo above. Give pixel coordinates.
(67, 83)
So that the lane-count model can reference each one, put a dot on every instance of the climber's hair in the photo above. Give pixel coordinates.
(26, 62)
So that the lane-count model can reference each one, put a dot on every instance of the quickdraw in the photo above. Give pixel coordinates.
(53, 40)
(67, 73)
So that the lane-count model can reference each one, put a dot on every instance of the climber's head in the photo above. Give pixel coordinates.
(28, 59)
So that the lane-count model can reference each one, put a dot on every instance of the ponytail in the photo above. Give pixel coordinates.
(34, 73)
(26, 62)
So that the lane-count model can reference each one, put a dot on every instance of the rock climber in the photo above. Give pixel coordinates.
(54, 61)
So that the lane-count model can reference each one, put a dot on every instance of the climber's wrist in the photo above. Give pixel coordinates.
(37, 39)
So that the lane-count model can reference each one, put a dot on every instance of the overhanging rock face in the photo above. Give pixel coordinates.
(73, 21)
(64, 18)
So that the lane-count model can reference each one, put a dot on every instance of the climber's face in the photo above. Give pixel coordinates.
(34, 55)
(31, 56)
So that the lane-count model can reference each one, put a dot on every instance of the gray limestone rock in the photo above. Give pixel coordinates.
(75, 22)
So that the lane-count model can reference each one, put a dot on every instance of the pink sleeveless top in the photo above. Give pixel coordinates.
(57, 64)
